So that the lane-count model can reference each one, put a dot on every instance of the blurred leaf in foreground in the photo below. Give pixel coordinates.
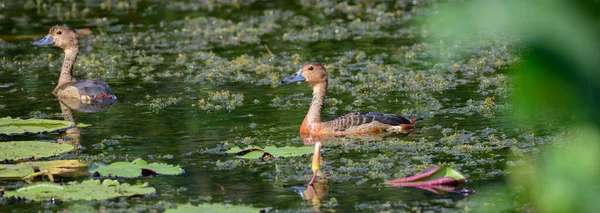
(564, 179)
(556, 79)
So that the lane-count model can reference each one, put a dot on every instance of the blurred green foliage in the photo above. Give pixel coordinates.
(557, 77)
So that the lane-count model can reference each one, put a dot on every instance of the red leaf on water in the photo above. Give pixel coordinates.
(437, 180)
(416, 177)
(434, 182)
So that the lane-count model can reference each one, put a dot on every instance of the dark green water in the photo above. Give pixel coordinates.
(379, 60)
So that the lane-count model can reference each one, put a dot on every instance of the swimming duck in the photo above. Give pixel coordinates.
(313, 129)
(348, 124)
(87, 91)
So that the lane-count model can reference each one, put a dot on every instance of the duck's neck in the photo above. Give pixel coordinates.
(66, 72)
(316, 105)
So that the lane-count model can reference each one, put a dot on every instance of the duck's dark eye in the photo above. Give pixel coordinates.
(311, 68)
(59, 32)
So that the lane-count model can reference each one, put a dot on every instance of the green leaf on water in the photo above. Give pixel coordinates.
(65, 168)
(445, 171)
(134, 169)
(257, 152)
(17, 126)
(15, 171)
(208, 207)
(86, 190)
(17, 150)
(82, 125)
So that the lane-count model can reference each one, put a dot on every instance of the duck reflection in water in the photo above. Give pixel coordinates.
(317, 188)
(67, 106)
(316, 192)
(319, 140)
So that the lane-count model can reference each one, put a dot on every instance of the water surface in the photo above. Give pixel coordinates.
(162, 58)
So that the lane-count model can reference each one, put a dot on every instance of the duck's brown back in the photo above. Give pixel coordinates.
(367, 119)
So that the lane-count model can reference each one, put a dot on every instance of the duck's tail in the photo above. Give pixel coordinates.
(104, 99)
(415, 119)
(405, 127)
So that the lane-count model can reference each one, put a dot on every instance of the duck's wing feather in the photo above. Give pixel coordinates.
(346, 121)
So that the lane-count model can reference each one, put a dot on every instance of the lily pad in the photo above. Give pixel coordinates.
(17, 150)
(208, 207)
(136, 168)
(270, 151)
(17, 126)
(66, 168)
(86, 190)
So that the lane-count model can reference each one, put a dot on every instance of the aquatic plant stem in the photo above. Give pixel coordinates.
(316, 162)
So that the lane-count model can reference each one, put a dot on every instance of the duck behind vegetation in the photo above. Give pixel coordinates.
(348, 124)
(87, 91)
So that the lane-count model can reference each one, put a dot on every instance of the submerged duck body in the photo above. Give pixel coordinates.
(87, 91)
(348, 124)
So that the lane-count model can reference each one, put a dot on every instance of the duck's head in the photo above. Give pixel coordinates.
(60, 36)
(313, 73)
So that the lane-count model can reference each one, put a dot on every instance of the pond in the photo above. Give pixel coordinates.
(196, 78)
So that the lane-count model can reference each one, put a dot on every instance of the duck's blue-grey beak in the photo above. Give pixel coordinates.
(296, 77)
(44, 41)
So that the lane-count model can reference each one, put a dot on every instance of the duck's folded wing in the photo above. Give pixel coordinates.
(91, 87)
(346, 121)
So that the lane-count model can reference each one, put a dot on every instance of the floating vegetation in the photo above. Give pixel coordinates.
(487, 108)
(86, 190)
(17, 126)
(290, 102)
(158, 104)
(136, 168)
(380, 160)
(221, 100)
(18, 150)
(496, 85)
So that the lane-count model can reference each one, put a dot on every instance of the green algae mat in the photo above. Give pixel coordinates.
(17, 126)
(17, 150)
